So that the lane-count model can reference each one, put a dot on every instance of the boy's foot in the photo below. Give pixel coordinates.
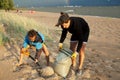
(18, 64)
(18, 68)
(79, 72)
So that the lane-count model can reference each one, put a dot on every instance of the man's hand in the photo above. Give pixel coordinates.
(60, 45)
(74, 55)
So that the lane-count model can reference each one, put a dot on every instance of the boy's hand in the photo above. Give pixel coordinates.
(25, 52)
(36, 60)
(25, 49)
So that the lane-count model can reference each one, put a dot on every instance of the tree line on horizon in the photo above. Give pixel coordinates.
(6, 4)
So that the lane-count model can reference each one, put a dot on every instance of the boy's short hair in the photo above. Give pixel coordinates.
(64, 17)
(32, 33)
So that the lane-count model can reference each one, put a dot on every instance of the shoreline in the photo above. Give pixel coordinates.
(103, 11)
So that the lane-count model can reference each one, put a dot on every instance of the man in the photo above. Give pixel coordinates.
(36, 39)
(79, 29)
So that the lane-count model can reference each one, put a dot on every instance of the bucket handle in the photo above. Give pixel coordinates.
(66, 52)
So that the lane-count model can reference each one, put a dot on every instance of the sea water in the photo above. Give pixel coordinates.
(104, 11)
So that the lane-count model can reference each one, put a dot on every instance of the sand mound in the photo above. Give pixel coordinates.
(46, 72)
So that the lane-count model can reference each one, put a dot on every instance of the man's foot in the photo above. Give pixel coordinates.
(69, 74)
(73, 68)
(79, 72)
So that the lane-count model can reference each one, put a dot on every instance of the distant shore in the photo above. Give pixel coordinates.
(103, 11)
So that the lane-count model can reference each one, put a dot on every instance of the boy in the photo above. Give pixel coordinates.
(36, 39)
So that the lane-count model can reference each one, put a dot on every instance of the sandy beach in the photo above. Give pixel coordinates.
(102, 61)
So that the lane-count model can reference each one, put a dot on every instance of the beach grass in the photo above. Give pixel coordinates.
(16, 26)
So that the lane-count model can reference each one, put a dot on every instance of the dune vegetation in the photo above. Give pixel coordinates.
(13, 26)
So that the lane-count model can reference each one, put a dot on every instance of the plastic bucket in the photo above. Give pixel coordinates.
(63, 62)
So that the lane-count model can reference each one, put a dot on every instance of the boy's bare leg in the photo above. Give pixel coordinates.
(20, 60)
(45, 50)
(22, 51)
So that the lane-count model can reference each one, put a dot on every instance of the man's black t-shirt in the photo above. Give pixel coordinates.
(78, 28)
